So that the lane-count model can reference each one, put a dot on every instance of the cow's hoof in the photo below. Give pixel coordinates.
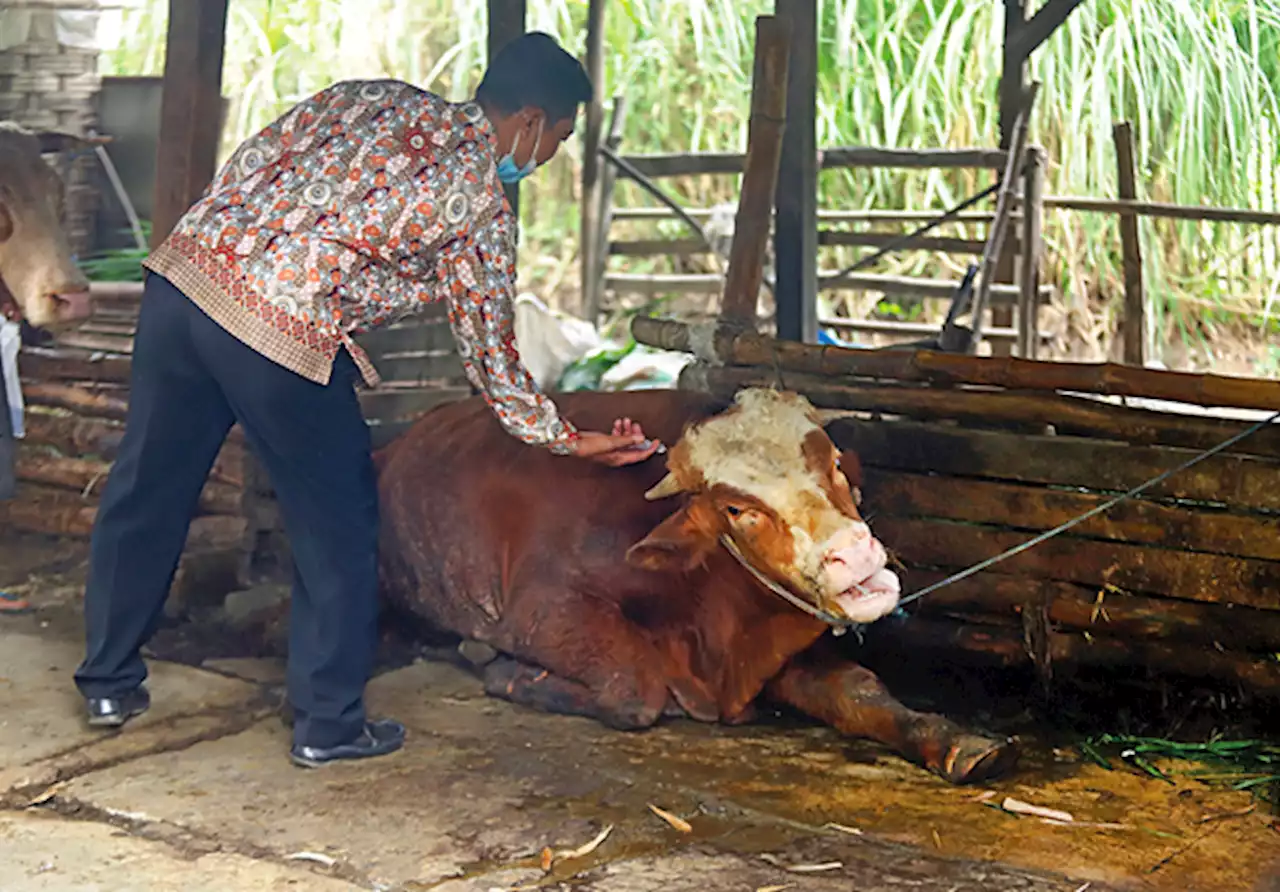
(975, 760)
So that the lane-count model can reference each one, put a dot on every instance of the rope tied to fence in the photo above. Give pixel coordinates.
(859, 628)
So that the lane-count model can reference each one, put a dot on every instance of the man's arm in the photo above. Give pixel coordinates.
(477, 273)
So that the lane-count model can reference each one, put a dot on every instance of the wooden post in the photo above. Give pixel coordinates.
(1135, 305)
(190, 110)
(995, 252)
(796, 231)
(604, 215)
(1013, 73)
(760, 175)
(506, 23)
(1012, 84)
(1029, 273)
(590, 214)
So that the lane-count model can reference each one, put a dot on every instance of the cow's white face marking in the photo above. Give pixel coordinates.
(768, 471)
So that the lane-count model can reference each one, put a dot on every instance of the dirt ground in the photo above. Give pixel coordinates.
(198, 795)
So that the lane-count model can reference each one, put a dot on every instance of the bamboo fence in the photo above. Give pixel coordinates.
(967, 456)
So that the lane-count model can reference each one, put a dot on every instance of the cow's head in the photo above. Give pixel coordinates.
(38, 280)
(765, 476)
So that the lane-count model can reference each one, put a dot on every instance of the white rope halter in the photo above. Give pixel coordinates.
(838, 624)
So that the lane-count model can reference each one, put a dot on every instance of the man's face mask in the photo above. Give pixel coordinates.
(507, 170)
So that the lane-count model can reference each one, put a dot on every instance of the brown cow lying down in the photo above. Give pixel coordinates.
(612, 593)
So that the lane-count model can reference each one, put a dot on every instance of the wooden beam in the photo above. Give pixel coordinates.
(796, 231)
(1013, 70)
(1028, 250)
(1134, 325)
(949, 369)
(506, 23)
(591, 243)
(1028, 38)
(190, 110)
(760, 178)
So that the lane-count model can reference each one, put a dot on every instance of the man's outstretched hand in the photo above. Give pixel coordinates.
(625, 445)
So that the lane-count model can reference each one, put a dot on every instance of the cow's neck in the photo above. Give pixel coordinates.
(745, 635)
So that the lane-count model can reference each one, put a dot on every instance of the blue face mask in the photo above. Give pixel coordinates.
(507, 170)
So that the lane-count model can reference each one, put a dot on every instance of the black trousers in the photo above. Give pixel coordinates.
(191, 381)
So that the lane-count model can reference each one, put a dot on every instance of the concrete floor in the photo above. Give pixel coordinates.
(198, 794)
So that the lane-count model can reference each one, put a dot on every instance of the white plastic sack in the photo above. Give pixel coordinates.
(646, 369)
(549, 341)
(10, 344)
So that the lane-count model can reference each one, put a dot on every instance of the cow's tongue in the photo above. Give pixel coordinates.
(873, 598)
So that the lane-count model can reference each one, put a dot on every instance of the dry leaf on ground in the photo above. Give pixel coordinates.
(674, 820)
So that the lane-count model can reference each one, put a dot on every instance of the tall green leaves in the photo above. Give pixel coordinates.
(1199, 79)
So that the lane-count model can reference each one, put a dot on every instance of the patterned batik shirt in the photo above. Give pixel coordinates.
(359, 207)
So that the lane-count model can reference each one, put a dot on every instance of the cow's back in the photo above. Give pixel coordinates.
(474, 520)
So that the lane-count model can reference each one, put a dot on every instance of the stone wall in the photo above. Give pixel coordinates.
(48, 81)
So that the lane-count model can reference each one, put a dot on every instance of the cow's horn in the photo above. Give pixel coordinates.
(666, 487)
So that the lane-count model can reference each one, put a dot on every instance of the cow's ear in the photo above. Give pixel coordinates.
(678, 544)
(851, 467)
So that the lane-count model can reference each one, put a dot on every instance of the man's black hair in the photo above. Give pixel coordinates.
(534, 70)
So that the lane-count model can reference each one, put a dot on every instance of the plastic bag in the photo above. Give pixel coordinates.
(10, 344)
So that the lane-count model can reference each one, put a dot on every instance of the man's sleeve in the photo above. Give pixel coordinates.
(477, 276)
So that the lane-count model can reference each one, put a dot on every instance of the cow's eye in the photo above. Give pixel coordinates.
(734, 510)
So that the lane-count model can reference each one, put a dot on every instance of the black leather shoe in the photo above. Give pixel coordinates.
(378, 739)
(112, 712)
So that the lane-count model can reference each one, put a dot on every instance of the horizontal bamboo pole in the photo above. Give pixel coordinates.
(58, 512)
(714, 283)
(1260, 676)
(115, 292)
(1060, 202)
(678, 164)
(828, 215)
(749, 349)
(1079, 416)
(1242, 482)
(911, 285)
(75, 435)
(1123, 207)
(942, 244)
(691, 247)
(1137, 568)
(1037, 508)
(660, 283)
(80, 437)
(113, 344)
(86, 477)
(104, 403)
(1098, 611)
(41, 364)
(658, 247)
(915, 329)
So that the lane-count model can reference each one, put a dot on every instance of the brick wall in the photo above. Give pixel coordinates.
(48, 82)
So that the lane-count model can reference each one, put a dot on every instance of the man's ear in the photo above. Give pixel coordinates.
(678, 545)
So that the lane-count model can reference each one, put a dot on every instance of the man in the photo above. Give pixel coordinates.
(361, 205)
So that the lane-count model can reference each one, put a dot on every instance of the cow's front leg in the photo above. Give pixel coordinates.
(619, 706)
(852, 699)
